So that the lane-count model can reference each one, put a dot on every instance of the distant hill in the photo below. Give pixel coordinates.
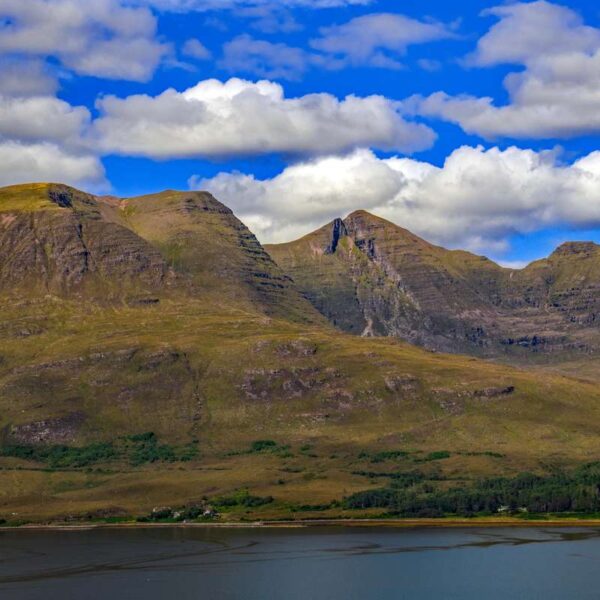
(371, 277)
(153, 354)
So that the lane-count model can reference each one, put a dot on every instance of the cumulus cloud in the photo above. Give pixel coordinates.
(103, 38)
(43, 119)
(25, 163)
(377, 39)
(26, 77)
(557, 95)
(527, 31)
(43, 138)
(476, 200)
(241, 117)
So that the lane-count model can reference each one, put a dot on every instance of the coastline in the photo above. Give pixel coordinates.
(315, 523)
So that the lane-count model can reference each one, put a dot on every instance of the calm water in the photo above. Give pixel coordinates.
(307, 564)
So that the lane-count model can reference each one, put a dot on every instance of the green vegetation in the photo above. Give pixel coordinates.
(486, 453)
(62, 457)
(136, 449)
(400, 480)
(385, 455)
(333, 505)
(389, 455)
(437, 455)
(265, 447)
(145, 448)
(577, 492)
(241, 498)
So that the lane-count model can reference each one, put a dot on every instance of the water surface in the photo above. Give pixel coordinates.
(307, 564)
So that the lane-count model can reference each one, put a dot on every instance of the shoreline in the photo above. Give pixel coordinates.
(308, 523)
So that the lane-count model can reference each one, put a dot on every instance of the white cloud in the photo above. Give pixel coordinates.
(196, 49)
(270, 18)
(266, 59)
(528, 31)
(43, 118)
(43, 138)
(476, 200)
(26, 77)
(556, 95)
(25, 163)
(377, 39)
(103, 38)
(241, 117)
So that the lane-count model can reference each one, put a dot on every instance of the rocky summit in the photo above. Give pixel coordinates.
(373, 278)
(153, 354)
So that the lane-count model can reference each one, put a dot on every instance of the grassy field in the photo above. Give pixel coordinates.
(331, 404)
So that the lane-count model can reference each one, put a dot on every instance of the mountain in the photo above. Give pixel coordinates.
(153, 354)
(371, 277)
(57, 239)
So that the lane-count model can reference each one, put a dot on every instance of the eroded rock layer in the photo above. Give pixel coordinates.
(371, 277)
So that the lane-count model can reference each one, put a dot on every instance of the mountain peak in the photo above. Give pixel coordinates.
(576, 248)
(31, 197)
(176, 200)
(361, 214)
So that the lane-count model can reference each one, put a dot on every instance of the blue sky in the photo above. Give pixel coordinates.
(474, 124)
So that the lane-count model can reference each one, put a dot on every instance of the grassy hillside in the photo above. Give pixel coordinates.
(114, 408)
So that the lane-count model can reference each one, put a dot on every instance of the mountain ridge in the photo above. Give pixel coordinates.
(123, 248)
(370, 276)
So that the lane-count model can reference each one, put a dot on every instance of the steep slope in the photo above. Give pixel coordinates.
(567, 282)
(54, 239)
(57, 239)
(112, 405)
(370, 276)
(393, 282)
(202, 239)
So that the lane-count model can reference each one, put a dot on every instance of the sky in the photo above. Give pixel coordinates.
(474, 124)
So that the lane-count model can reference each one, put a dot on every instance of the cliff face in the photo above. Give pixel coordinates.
(371, 277)
(64, 245)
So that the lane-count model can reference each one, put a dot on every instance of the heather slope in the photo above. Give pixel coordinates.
(219, 381)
